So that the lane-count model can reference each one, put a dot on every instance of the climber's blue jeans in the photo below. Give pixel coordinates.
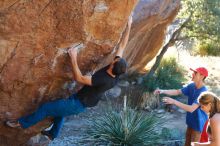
(57, 109)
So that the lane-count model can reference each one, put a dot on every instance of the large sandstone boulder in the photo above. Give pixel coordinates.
(151, 18)
(35, 35)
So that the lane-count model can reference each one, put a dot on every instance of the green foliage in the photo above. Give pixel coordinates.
(169, 75)
(151, 84)
(125, 128)
(205, 19)
(208, 48)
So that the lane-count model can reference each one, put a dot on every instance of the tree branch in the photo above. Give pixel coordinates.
(170, 43)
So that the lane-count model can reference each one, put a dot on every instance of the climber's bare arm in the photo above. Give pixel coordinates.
(124, 41)
(83, 79)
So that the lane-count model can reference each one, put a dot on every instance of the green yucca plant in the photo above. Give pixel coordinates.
(126, 127)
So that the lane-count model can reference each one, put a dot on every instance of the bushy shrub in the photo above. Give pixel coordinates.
(169, 75)
(125, 128)
(208, 48)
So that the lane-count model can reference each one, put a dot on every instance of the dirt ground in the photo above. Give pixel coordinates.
(75, 126)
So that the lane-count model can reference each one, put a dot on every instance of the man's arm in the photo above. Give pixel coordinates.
(124, 41)
(172, 92)
(86, 80)
(188, 108)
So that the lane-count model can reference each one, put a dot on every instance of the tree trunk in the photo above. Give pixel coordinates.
(170, 43)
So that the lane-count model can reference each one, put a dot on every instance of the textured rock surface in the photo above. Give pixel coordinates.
(34, 66)
(151, 18)
(34, 35)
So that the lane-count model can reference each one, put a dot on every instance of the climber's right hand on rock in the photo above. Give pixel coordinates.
(72, 52)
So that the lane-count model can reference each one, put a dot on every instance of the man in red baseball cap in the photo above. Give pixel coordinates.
(195, 117)
(202, 70)
(204, 134)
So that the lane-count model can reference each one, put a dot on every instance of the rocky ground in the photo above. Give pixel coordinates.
(75, 127)
(74, 132)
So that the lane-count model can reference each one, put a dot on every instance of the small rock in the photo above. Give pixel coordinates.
(123, 84)
(160, 111)
(147, 108)
(112, 93)
(140, 80)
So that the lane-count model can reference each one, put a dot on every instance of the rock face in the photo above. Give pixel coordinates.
(35, 35)
(151, 18)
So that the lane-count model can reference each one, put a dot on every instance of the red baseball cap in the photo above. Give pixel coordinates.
(202, 70)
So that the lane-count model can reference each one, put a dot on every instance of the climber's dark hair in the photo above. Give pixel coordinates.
(120, 67)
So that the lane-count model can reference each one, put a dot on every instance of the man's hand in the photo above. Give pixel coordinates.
(158, 91)
(72, 52)
(130, 20)
(168, 100)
